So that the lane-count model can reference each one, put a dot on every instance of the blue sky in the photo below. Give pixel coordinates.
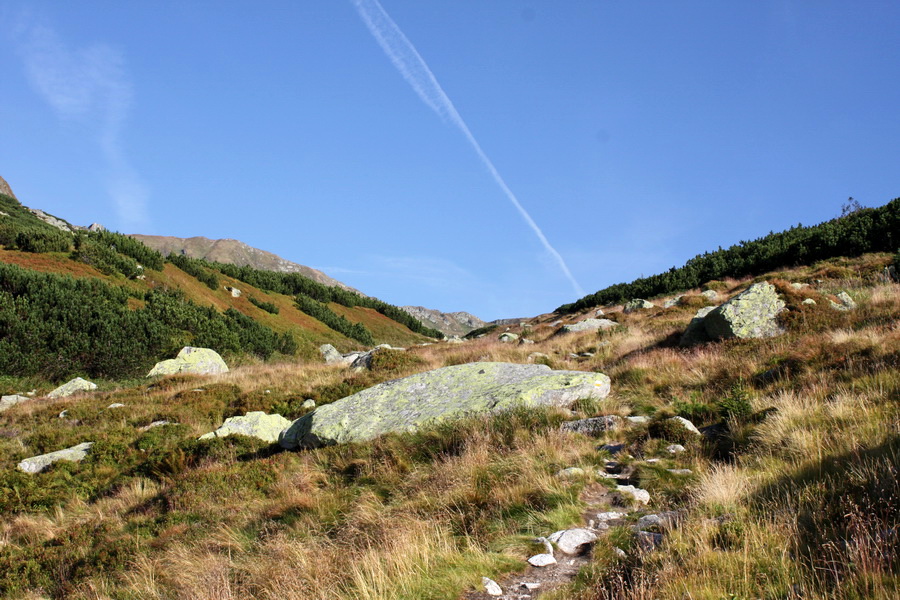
(633, 134)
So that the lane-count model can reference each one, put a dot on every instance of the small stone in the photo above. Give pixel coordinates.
(570, 473)
(619, 552)
(638, 420)
(491, 587)
(610, 516)
(809, 302)
(574, 541)
(675, 448)
(154, 424)
(711, 295)
(686, 424)
(308, 404)
(64, 414)
(508, 337)
(525, 341)
(542, 560)
(640, 496)
(587, 325)
(594, 426)
(613, 448)
(845, 302)
(115, 405)
(651, 461)
(530, 586)
(679, 471)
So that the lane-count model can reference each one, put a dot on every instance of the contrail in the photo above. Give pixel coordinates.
(415, 71)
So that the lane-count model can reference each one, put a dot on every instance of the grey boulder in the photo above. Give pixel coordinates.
(588, 325)
(636, 305)
(593, 426)
(407, 404)
(695, 332)
(7, 402)
(254, 424)
(36, 464)
(751, 314)
(72, 387)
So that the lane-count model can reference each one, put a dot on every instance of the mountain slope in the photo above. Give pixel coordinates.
(233, 252)
(455, 323)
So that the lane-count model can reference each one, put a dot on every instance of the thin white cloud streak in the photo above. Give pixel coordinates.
(407, 60)
(89, 85)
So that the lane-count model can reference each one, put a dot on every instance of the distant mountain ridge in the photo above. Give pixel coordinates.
(450, 324)
(234, 252)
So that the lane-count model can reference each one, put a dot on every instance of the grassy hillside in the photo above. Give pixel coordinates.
(792, 493)
(72, 304)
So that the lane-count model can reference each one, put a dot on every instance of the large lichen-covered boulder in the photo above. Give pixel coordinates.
(36, 464)
(636, 305)
(406, 404)
(200, 361)
(751, 314)
(254, 424)
(588, 325)
(73, 387)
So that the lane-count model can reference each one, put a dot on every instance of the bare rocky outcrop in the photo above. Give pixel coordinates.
(5, 189)
(237, 253)
(450, 324)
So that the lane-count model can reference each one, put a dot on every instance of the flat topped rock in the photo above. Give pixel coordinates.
(200, 361)
(7, 402)
(405, 405)
(254, 424)
(72, 387)
(588, 325)
(36, 464)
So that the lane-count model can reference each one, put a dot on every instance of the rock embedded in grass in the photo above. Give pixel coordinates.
(7, 402)
(594, 426)
(491, 587)
(588, 325)
(36, 464)
(751, 314)
(636, 305)
(448, 393)
(73, 387)
(254, 424)
(574, 541)
(639, 495)
(695, 332)
(197, 361)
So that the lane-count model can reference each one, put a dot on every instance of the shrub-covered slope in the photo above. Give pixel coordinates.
(864, 230)
(102, 304)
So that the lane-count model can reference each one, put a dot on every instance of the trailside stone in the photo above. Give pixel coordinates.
(587, 325)
(72, 387)
(593, 426)
(507, 337)
(254, 424)
(491, 587)
(637, 304)
(7, 402)
(36, 464)
(695, 332)
(574, 541)
(750, 314)
(199, 361)
(542, 560)
(640, 496)
(405, 405)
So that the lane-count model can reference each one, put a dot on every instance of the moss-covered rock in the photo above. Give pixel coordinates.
(200, 361)
(448, 393)
(750, 314)
(254, 424)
